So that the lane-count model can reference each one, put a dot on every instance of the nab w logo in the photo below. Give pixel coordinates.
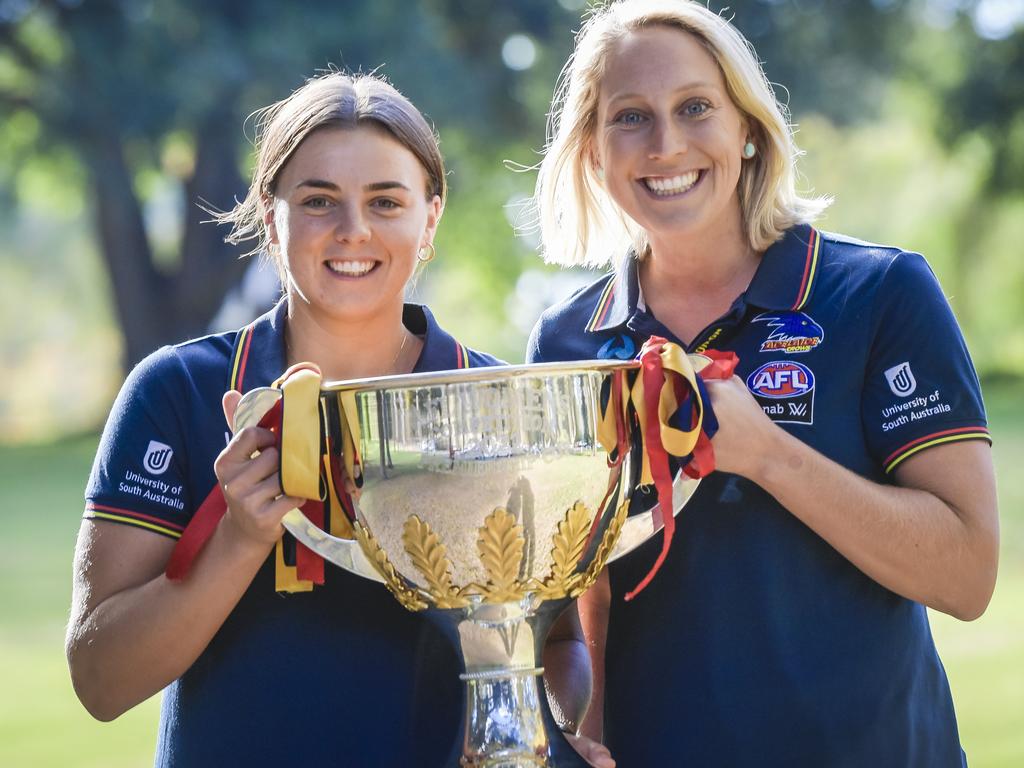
(901, 380)
(157, 458)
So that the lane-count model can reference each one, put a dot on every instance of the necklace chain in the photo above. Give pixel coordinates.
(405, 338)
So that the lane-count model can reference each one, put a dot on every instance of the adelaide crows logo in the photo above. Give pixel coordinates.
(794, 332)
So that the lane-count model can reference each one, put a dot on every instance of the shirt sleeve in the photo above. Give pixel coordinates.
(139, 475)
(921, 388)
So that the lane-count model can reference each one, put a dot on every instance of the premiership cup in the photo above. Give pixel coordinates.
(488, 499)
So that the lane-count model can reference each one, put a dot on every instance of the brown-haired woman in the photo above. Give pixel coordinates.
(347, 194)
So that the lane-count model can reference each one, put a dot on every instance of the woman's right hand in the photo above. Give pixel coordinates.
(594, 752)
(248, 472)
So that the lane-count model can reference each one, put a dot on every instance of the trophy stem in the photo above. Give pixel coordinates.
(508, 723)
(504, 720)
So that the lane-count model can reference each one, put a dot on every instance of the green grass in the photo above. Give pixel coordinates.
(42, 725)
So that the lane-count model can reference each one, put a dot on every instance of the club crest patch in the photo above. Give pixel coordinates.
(619, 347)
(785, 391)
(792, 332)
(157, 458)
(901, 380)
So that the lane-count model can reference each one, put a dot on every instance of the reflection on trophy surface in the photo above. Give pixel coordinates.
(487, 499)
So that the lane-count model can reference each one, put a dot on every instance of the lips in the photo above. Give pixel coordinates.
(668, 186)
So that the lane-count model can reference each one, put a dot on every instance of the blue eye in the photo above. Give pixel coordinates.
(629, 117)
(696, 108)
(317, 202)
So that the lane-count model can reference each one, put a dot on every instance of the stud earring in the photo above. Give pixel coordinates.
(431, 253)
(749, 150)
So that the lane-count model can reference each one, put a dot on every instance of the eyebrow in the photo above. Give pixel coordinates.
(688, 87)
(376, 186)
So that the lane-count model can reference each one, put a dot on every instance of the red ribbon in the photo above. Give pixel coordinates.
(702, 461)
(308, 565)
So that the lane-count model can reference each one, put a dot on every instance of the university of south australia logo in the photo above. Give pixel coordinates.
(901, 380)
(157, 458)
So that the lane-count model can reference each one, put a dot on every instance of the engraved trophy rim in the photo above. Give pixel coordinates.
(468, 375)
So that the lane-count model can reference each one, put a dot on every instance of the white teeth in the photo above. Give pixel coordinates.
(353, 268)
(661, 185)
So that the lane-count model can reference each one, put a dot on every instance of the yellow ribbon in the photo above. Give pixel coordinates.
(677, 442)
(300, 433)
(351, 436)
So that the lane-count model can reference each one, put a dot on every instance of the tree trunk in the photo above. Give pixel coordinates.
(209, 266)
(139, 289)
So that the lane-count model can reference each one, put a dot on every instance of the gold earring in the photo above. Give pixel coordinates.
(430, 257)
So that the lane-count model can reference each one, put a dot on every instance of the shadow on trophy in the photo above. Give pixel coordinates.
(488, 499)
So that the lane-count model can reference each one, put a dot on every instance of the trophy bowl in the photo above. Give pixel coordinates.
(488, 499)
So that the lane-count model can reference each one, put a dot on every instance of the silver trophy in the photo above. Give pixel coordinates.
(488, 499)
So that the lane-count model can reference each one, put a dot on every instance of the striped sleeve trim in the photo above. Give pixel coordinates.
(936, 438)
(810, 270)
(604, 303)
(130, 517)
(461, 356)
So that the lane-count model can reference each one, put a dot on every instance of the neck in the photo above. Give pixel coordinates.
(690, 280)
(350, 349)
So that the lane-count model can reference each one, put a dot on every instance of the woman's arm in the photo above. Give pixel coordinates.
(933, 538)
(567, 678)
(132, 631)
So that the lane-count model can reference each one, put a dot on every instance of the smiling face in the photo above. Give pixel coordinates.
(349, 214)
(669, 140)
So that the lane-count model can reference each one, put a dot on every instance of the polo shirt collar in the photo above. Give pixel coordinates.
(787, 272)
(619, 299)
(783, 281)
(260, 351)
(441, 352)
(259, 354)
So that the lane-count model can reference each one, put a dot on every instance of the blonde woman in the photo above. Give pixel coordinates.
(854, 484)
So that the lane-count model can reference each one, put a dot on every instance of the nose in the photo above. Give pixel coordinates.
(350, 225)
(668, 138)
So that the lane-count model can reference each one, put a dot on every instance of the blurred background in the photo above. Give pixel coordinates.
(118, 117)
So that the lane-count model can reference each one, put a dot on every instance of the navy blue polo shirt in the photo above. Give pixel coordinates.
(758, 644)
(341, 675)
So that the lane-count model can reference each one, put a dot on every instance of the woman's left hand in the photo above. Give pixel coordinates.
(744, 431)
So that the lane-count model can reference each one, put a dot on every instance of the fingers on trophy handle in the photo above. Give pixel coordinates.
(345, 553)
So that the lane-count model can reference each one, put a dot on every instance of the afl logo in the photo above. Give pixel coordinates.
(901, 380)
(157, 458)
(781, 380)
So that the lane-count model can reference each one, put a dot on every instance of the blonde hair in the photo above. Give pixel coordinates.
(330, 100)
(580, 224)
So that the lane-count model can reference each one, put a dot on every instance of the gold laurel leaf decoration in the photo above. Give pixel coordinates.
(566, 551)
(430, 557)
(604, 549)
(501, 546)
(409, 598)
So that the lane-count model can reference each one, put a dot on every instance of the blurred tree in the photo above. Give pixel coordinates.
(142, 92)
(135, 88)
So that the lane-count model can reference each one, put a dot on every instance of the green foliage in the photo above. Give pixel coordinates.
(914, 124)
